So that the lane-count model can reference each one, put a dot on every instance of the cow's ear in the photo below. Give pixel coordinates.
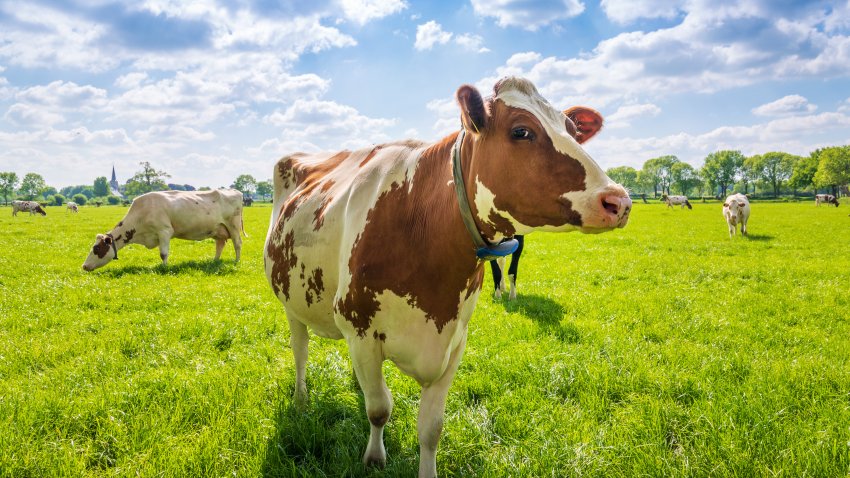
(99, 237)
(473, 115)
(587, 122)
(107, 239)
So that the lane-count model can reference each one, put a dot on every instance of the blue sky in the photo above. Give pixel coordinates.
(210, 89)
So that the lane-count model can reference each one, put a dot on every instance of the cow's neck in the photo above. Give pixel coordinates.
(123, 234)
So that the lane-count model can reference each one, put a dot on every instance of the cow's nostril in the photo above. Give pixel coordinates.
(610, 207)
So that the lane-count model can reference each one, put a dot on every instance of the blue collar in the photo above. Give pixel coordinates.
(484, 250)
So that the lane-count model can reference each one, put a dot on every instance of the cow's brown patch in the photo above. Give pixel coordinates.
(319, 213)
(128, 235)
(404, 247)
(100, 249)
(382, 336)
(507, 167)
(283, 261)
(315, 286)
(120, 223)
(308, 179)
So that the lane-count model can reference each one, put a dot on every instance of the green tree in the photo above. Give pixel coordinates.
(32, 185)
(80, 199)
(246, 184)
(101, 187)
(748, 173)
(721, 168)
(625, 175)
(773, 168)
(683, 176)
(8, 183)
(146, 180)
(833, 167)
(803, 174)
(58, 199)
(264, 188)
(658, 169)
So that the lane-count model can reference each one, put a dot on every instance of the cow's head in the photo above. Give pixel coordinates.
(40, 210)
(525, 167)
(734, 209)
(834, 200)
(103, 251)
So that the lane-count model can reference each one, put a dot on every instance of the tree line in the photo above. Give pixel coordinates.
(725, 171)
(32, 187)
(722, 171)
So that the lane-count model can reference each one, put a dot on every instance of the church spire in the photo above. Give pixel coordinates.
(114, 179)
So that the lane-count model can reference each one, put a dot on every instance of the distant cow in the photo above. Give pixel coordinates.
(826, 198)
(736, 210)
(154, 218)
(72, 206)
(676, 200)
(247, 201)
(385, 246)
(31, 206)
(498, 268)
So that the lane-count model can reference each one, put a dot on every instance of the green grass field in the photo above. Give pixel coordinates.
(663, 349)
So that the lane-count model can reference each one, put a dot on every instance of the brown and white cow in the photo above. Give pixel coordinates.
(72, 207)
(31, 206)
(825, 198)
(154, 218)
(676, 200)
(370, 246)
(736, 209)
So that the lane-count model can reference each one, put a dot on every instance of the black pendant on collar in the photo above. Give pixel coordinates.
(484, 250)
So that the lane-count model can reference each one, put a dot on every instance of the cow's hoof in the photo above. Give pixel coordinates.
(375, 460)
(497, 295)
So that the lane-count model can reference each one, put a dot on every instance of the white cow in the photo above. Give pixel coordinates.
(736, 210)
(676, 200)
(31, 206)
(72, 206)
(825, 198)
(154, 218)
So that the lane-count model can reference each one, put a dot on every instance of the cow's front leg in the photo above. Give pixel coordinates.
(219, 246)
(432, 408)
(743, 228)
(164, 245)
(367, 359)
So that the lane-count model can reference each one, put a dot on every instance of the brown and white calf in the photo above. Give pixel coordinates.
(157, 217)
(736, 209)
(676, 200)
(371, 246)
(72, 206)
(825, 198)
(31, 206)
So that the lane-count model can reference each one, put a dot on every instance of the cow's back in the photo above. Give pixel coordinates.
(192, 215)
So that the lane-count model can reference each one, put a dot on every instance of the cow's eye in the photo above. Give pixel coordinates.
(522, 133)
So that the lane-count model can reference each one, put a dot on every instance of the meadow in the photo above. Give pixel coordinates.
(662, 349)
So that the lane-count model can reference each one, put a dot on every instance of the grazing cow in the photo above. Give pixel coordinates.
(386, 246)
(154, 218)
(72, 206)
(736, 210)
(31, 206)
(676, 200)
(825, 198)
(247, 201)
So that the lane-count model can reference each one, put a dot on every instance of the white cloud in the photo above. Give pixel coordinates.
(363, 11)
(525, 14)
(29, 115)
(429, 34)
(627, 11)
(471, 42)
(131, 80)
(785, 106)
(624, 114)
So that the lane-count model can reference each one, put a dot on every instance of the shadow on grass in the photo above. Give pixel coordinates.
(759, 237)
(328, 438)
(209, 266)
(547, 314)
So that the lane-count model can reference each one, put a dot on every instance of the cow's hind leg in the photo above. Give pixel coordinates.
(367, 359)
(432, 408)
(233, 231)
(299, 339)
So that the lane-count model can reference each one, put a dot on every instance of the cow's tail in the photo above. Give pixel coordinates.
(687, 203)
(242, 224)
